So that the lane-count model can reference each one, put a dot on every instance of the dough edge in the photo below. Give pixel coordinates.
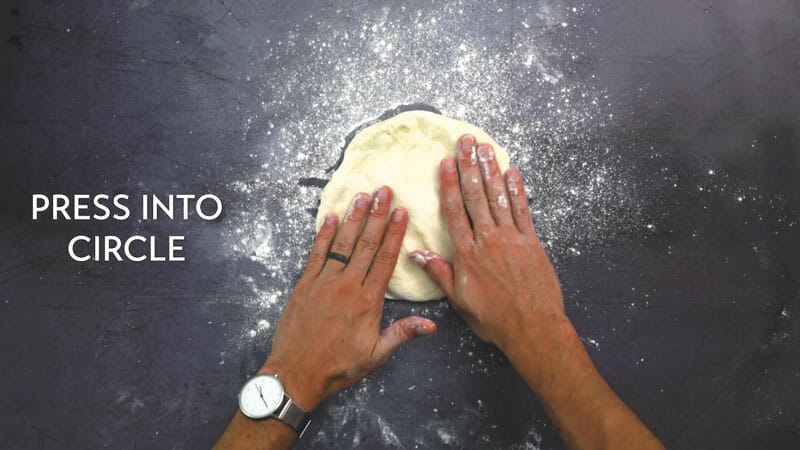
(402, 134)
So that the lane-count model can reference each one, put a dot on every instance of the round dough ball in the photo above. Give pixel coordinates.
(404, 153)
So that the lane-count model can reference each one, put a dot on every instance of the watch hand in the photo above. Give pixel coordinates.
(260, 394)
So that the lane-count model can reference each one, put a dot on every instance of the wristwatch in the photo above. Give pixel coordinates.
(263, 397)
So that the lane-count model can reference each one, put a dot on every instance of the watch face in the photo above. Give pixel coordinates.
(261, 396)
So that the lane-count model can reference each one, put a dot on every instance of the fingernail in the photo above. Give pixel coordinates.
(361, 201)
(330, 218)
(449, 165)
(512, 178)
(418, 259)
(383, 194)
(421, 328)
(467, 147)
(381, 198)
(485, 152)
(467, 141)
(397, 215)
(376, 203)
(421, 257)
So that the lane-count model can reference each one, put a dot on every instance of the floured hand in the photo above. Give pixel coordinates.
(329, 335)
(501, 280)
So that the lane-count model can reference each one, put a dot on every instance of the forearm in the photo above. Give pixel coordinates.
(588, 414)
(268, 434)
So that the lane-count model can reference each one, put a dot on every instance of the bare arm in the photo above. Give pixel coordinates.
(503, 285)
(586, 412)
(243, 433)
(329, 334)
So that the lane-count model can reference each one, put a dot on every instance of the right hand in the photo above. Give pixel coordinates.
(500, 281)
(504, 286)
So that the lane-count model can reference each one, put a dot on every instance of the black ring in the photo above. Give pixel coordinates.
(338, 257)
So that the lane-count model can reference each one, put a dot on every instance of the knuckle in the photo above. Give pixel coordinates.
(385, 257)
(521, 211)
(402, 334)
(316, 256)
(377, 360)
(326, 232)
(496, 185)
(452, 206)
(466, 251)
(473, 204)
(341, 246)
(379, 212)
(300, 287)
(520, 239)
(394, 230)
(459, 250)
(368, 242)
(450, 180)
(498, 245)
(463, 247)
(483, 235)
(472, 196)
(343, 290)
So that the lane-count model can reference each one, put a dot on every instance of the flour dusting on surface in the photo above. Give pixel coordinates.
(560, 131)
(556, 130)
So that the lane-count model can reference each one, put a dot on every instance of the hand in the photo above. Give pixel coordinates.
(329, 335)
(500, 281)
(504, 286)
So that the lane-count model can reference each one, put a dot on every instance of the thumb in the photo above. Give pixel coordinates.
(400, 332)
(436, 267)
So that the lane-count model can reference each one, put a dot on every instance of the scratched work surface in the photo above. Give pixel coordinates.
(660, 142)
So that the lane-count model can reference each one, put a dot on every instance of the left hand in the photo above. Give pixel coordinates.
(329, 335)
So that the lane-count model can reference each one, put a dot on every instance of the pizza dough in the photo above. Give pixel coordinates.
(404, 153)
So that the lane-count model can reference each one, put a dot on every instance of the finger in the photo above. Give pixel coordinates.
(452, 204)
(400, 332)
(494, 185)
(371, 235)
(322, 243)
(383, 264)
(519, 202)
(471, 183)
(348, 231)
(436, 267)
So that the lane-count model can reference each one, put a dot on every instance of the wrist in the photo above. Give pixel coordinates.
(536, 335)
(540, 343)
(304, 391)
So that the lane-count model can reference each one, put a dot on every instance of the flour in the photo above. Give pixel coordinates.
(354, 410)
(501, 201)
(376, 203)
(322, 86)
(422, 257)
(484, 157)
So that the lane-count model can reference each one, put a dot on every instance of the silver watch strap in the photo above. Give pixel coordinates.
(293, 415)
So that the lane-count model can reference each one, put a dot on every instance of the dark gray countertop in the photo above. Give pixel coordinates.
(660, 141)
